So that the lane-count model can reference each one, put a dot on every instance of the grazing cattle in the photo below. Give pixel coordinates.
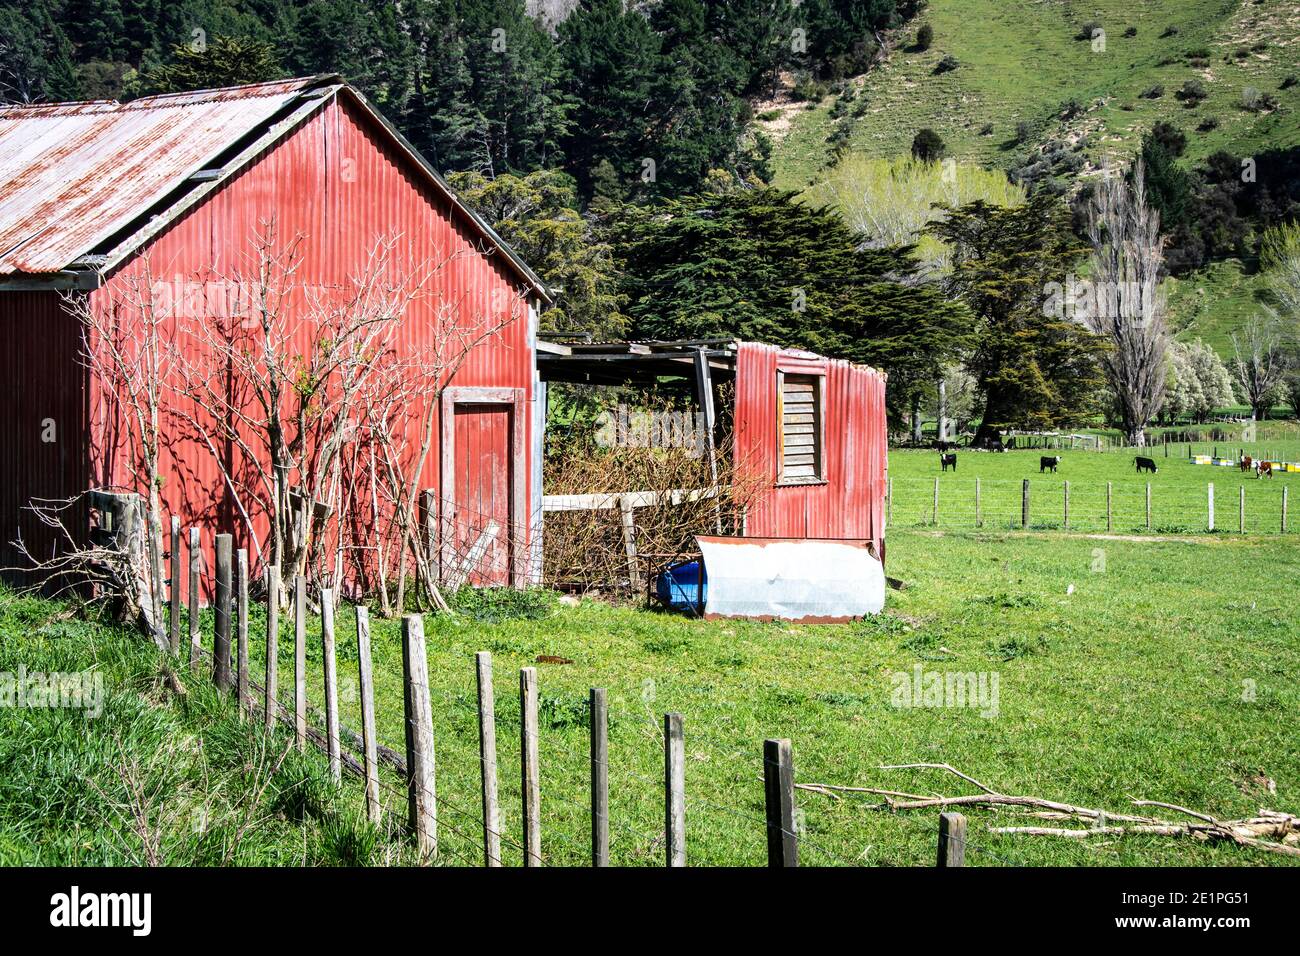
(1048, 464)
(946, 460)
(945, 445)
(996, 445)
(1263, 468)
(1145, 464)
(1246, 463)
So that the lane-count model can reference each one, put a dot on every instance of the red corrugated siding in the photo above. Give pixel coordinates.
(850, 503)
(337, 181)
(41, 381)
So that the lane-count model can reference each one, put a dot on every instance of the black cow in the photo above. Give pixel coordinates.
(1144, 464)
(1048, 464)
(946, 460)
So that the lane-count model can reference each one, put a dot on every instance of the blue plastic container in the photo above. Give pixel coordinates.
(679, 587)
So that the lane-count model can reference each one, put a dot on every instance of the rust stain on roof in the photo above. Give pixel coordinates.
(73, 174)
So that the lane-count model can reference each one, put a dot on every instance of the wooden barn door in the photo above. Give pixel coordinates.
(483, 475)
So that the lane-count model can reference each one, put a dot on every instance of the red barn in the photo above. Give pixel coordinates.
(101, 199)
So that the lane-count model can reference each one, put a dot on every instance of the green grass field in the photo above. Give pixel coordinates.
(1021, 62)
(149, 776)
(1156, 669)
(1179, 490)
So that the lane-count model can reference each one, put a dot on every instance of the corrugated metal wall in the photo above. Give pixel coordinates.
(340, 184)
(849, 503)
(43, 404)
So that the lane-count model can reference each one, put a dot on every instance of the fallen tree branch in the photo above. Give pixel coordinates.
(1270, 830)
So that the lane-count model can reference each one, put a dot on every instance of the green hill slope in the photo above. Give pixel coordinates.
(1023, 62)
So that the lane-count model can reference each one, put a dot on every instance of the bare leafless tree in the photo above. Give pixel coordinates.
(401, 410)
(1127, 308)
(1259, 363)
(125, 352)
(274, 371)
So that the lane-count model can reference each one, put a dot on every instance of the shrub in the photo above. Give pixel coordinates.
(1152, 92)
(1207, 124)
(1288, 82)
(1169, 32)
(927, 146)
(1192, 93)
(808, 89)
(1255, 101)
(986, 129)
(1131, 32)
(768, 115)
(946, 65)
(1088, 30)
(924, 37)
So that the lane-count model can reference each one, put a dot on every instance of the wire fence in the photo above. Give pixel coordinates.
(740, 805)
(1049, 504)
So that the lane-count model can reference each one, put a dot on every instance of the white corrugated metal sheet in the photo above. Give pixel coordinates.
(813, 580)
(73, 174)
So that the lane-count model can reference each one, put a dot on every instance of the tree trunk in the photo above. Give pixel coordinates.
(916, 420)
(943, 410)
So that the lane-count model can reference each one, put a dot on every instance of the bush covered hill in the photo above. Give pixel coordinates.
(1032, 88)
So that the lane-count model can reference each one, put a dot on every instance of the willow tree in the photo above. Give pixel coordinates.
(1126, 307)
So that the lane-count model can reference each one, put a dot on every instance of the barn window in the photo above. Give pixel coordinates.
(801, 428)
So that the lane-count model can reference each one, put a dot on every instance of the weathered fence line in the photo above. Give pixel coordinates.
(418, 767)
(1087, 507)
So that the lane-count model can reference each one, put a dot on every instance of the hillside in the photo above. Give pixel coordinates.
(1024, 62)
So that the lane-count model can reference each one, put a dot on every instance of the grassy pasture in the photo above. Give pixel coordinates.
(1131, 684)
(1179, 490)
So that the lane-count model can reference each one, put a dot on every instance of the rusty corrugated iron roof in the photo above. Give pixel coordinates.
(73, 174)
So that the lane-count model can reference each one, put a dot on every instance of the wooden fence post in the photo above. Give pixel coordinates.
(1024, 504)
(221, 613)
(1066, 518)
(423, 806)
(979, 518)
(599, 714)
(331, 683)
(300, 660)
(1148, 506)
(272, 679)
(952, 840)
(178, 588)
(1241, 510)
(629, 543)
(934, 510)
(778, 795)
(366, 686)
(530, 779)
(487, 744)
(674, 791)
(1108, 507)
(1284, 490)
(196, 572)
(241, 630)
(1210, 492)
